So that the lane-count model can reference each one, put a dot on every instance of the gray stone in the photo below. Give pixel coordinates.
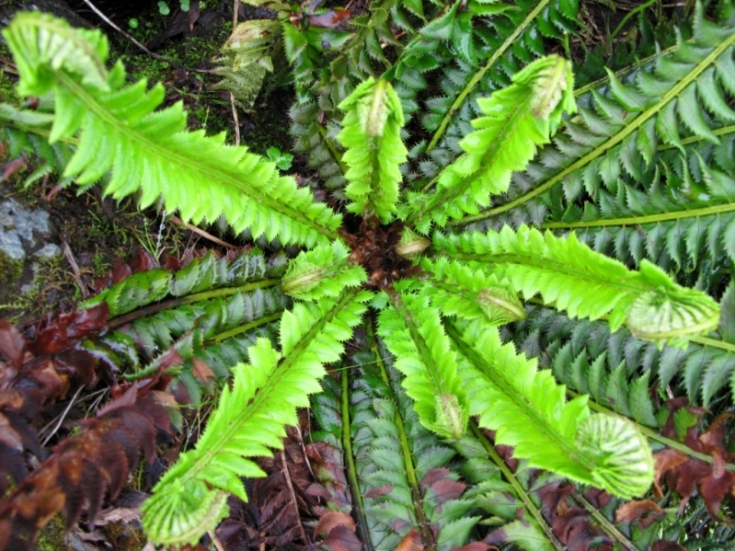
(19, 224)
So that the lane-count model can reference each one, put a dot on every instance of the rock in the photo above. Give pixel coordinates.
(25, 241)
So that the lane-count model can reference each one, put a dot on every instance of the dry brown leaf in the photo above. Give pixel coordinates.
(662, 545)
(664, 461)
(201, 370)
(330, 520)
(645, 511)
(411, 542)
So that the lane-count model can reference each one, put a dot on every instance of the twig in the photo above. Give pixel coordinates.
(74, 268)
(216, 542)
(287, 476)
(609, 527)
(128, 36)
(235, 7)
(62, 417)
(176, 220)
(236, 118)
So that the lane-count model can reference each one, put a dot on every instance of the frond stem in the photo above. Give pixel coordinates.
(151, 309)
(245, 328)
(413, 481)
(696, 139)
(349, 457)
(481, 73)
(642, 220)
(513, 481)
(714, 343)
(610, 143)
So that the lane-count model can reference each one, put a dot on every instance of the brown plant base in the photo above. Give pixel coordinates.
(374, 248)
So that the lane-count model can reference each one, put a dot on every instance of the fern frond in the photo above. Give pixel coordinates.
(150, 151)
(412, 331)
(516, 120)
(399, 461)
(617, 369)
(324, 271)
(250, 419)
(210, 311)
(514, 33)
(621, 129)
(586, 284)
(527, 410)
(247, 58)
(371, 133)
(26, 132)
(457, 290)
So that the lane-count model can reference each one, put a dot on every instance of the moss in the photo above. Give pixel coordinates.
(53, 536)
(11, 270)
(125, 536)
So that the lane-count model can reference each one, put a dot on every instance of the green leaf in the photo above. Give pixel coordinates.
(528, 410)
(371, 132)
(249, 419)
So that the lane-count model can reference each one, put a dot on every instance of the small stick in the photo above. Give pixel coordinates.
(237, 120)
(62, 417)
(287, 476)
(128, 36)
(235, 7)
(176, 220)
(215, 541)
(74, 267)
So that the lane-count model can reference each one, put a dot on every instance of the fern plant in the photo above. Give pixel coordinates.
(425, 274)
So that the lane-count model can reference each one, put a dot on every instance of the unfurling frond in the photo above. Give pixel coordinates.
(191, 497)
(516, 120)
(458, 290)
(324, 271)
(528, 410)
(149, 151)
(412, 331)
(574, 278)
(371, 132)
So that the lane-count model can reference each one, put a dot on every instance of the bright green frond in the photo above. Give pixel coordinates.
(572, 277)
(151, 152)
(250, 419)
(458, 290)
(324, 271)
(516, 120)
(49, 45)
(413, 332)
(371, 132)
(528, 410)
